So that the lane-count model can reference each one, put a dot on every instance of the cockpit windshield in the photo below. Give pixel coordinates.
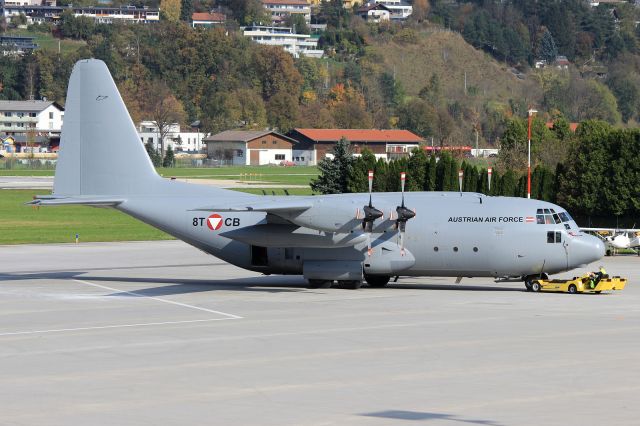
(550, 217)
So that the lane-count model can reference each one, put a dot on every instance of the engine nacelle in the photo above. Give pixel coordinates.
(388, 259)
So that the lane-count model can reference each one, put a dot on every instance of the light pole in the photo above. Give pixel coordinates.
(531, 112)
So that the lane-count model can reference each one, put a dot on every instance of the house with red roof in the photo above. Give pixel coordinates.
(315, 144)
(207, 19)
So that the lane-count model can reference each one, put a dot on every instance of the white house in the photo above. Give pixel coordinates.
(206, 19)
(295, 44)
(41, 117)
(280, 10)
(189, 142)
(245, 147)
(400, 9)
(374, 12)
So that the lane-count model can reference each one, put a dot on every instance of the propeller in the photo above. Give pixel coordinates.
(403, 213)
(370, 215)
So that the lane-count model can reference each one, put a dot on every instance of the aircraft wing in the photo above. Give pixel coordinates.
(276, 207)
(611, 230)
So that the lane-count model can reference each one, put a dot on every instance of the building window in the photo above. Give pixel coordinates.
(33, 114)
(264, 142)
(51, 116)
(240, 153)
(20, 114)
(7, 114)
(279, 156)
(274, 142)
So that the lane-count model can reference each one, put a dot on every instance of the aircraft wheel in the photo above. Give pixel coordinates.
(535, 286)
(573, 289)
(320, 283)
(351, 284)
(527, 285)
(377, 280)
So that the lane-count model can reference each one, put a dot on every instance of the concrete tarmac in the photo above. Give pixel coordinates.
(158, 333)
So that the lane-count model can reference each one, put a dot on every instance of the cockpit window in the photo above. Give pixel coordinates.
(550, 217)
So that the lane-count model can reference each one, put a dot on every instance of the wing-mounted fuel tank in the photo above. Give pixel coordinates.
(278, 235)
(388, 258)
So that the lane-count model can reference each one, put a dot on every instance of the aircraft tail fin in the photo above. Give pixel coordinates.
(100, 150)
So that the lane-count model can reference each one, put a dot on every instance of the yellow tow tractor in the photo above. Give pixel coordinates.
(580, 284)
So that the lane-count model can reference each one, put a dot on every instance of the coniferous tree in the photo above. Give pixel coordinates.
(358, 178)
(154, 156)
(416, 170)
(169, 158)
(381, 176)
(335, 172)
(430, 180)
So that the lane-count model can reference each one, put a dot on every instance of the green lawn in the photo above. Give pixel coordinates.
(299, 175)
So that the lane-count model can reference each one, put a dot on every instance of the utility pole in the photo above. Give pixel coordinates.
(531, 112)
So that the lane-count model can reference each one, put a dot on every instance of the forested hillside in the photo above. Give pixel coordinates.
(456, 69)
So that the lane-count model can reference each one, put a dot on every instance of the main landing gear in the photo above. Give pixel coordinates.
(375, 281)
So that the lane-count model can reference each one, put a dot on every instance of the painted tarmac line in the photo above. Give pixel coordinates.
(105, 327)
(185, 305)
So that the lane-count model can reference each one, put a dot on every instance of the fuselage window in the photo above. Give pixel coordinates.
(558, 237)
(556, 218)
(540, 219)
(550, 237)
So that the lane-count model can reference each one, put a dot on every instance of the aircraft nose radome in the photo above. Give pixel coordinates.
(586, 249)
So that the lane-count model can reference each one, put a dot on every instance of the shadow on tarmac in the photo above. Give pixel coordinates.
(423, 416)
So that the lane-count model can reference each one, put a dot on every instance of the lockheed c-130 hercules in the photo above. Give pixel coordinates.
(345, 237)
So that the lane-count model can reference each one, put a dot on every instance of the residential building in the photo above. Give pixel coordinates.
(207, 19)
(280, 10)
(256, 148)
(400, 9)
(100, 14)
(178, 140)
(16, 45)
(43, 118)
(374, 12)
(295, 44)
(316, 144)
(30, 2)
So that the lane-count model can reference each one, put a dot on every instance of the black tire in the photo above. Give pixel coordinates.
(377, 281)
(573, 289)
(351, 284)
(320, 283)
(535, 286)
(598, 292)
(527, 285)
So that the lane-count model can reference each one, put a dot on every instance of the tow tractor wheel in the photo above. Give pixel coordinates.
(377, 280)
(535, 286)
(527, 284)
(320, 283)
(573, 289)
(350, 284)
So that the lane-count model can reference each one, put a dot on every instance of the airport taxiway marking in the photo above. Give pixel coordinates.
(104, 327)
(172, 302)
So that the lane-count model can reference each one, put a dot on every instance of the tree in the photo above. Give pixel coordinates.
(548, 49)
(416, 170)
(298, 23)
(170, 10)
(358, 178)
(335, 172)
(165, 110)
(153, 154)
(420, 10)
(430, 178)
(169, 158)
(283, 111)
(186, 10)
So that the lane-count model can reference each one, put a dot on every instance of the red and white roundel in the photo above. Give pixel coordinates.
(214, 222)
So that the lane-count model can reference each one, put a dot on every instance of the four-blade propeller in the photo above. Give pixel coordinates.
(404, 214)
(371, 214)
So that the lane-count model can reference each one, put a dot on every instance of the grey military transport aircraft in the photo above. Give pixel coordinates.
(346, 238)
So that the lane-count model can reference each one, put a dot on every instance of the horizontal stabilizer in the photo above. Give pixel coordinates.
(70, 201)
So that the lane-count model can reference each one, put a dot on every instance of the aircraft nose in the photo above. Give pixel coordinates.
(586, 249)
